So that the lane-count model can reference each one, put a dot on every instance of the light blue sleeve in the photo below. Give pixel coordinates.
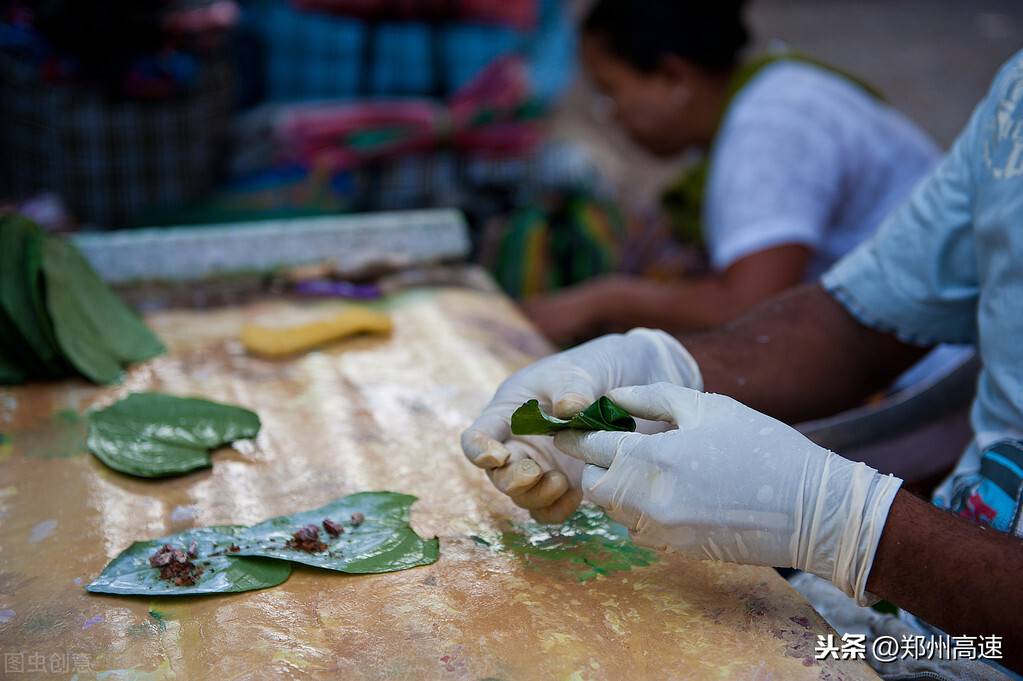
(917, 276)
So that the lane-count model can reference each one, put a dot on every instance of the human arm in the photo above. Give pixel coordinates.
(618, 303)
(733, 484)
(976, 592)
(799, 356)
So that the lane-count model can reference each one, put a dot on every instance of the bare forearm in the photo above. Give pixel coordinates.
(691, 305)
(799, 356)
(951, 573)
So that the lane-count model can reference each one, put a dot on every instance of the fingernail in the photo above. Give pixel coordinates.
(494, 456)
(522, 475)
(527, 467)
(570, 405)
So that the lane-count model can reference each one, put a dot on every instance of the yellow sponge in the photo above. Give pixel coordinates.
(291, 340)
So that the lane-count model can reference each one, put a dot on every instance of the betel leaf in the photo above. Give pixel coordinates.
(382, 542)
(530, 419)
(369, 533)
(154, 435)
(221, 572)
(96, 331)
(29, 335)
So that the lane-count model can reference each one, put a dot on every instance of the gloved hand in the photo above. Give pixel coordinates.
(733, 484)
(530, 469)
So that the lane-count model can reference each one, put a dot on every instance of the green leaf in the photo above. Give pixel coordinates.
(222, 572)
(382, 542)
(154, 435)
(28, 334)
(530, 419)
(96, 331)
(239, 558)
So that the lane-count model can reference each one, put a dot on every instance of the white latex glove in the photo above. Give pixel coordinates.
(530, 469)
(733, 484)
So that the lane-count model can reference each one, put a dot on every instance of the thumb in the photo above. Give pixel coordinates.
(574, 393)
(483, 441)
(661, 402)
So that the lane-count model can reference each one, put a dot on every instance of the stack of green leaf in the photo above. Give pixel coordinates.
(57, 317)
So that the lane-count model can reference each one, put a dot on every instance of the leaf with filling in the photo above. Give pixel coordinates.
(382, 542)
(370, 533)
(530, 419)
(96, 331)
(154, 435)
(222, 572)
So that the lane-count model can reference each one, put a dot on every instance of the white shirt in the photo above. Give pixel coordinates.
(804, 156)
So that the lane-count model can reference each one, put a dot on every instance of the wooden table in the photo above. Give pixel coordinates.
(368, 414)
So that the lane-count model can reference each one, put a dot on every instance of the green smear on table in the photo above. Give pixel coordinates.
(97, 332)
(130, 572)
(382, 542)
(530, 419)
(153, 435)
(587, 545)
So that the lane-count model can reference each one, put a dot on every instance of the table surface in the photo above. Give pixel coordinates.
(505, 600)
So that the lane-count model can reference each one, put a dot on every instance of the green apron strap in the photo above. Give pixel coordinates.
(682, 200)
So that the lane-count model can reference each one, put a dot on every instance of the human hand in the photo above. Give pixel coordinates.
(530, 469)
(733, 484)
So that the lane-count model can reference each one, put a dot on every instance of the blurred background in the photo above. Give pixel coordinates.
(198, 112)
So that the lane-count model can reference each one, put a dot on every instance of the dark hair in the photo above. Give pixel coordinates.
(709, 33)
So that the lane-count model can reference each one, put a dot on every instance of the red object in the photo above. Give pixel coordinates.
(481, 117)
(975, 509)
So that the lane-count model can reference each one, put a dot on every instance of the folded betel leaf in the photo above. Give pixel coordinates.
(96, 331)
(530, 419)
(29, 337)
(198, 561)
(363, 533)
(603, 414)
(154, 435)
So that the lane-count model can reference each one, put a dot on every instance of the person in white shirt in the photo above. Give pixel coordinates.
(801, 163)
